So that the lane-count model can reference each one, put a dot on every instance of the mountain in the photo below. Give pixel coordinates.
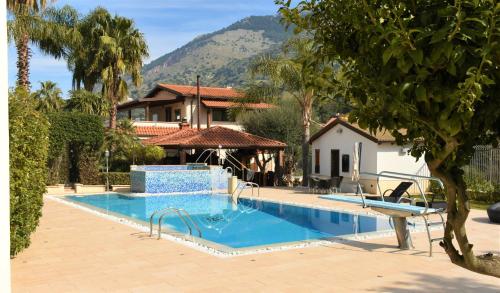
(220, 58)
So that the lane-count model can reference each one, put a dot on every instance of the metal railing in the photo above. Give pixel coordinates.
(202, 153)
(413, 178)
(181, 213)
(400, 176)
(242, 186)
(235, 163)
(484, 165)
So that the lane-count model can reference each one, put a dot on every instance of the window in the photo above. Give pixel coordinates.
(138, 114)
(168, 114)
(316, 161)
(220, 115)
(345, 163)
(155, 116)
(177, 115)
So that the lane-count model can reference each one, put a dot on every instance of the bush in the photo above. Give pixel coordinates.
(116, 178)
(73, 137)
(88, 168)
(28, 143)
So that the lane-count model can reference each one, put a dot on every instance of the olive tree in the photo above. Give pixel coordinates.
(429, 67)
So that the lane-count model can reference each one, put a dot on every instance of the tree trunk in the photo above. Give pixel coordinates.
(262, 166)
(112, 115)
(23, 59)
(458, 210)
(306, 124)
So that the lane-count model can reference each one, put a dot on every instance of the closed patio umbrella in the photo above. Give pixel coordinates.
(356, 161)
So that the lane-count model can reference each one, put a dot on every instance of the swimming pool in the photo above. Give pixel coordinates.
(247, 224)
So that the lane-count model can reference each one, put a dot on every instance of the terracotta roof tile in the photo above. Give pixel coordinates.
(154, 130)
(226, 104)
(179, 135)
(190, 90)
(213, 137)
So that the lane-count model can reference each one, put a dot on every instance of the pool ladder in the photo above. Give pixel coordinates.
(181, 213)
(242, 186)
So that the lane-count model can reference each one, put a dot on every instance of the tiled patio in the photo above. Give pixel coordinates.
(76, 251)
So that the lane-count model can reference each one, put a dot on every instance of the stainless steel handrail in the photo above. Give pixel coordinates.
(181, 213)
(180, 217)
(416, 176)
(151, 218)
(203, 153)
(378, 175)
(228, 167)
(186, 214)
(229, 157)
(252, 184)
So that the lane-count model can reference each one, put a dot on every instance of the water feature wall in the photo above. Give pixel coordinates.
(178, 178)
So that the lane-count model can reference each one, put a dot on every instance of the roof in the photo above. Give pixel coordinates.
(226, 104)
(154, 130)
(378, 137)
(214, 137)
(190, 90)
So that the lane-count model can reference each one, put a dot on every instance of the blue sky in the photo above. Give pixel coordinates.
(166, 24)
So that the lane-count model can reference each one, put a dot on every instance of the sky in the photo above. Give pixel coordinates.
(166, 24)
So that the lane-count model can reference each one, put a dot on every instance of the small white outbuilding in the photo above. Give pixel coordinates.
(332, 149)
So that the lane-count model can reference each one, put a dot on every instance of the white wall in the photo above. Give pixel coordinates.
(374, 159)
(343, 139)
(390, 158)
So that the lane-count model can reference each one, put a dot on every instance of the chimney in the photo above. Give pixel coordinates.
(198, 100)
(184, 124)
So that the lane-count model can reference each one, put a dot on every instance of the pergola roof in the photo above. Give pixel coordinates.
(213, 137)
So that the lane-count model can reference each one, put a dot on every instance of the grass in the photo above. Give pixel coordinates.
(480, 205)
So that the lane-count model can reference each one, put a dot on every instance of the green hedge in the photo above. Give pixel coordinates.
(28, 143)
(117, 178)
(74, 142)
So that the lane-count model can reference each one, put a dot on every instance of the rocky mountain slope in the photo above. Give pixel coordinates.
(221, 57)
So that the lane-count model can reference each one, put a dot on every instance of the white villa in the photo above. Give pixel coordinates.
(166, 105)
(332, 149)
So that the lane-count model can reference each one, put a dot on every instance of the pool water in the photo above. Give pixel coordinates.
(246, 224)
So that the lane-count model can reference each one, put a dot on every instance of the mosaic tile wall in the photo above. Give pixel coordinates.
(172, 179)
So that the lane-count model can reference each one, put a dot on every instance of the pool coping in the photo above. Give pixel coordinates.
(223, 251)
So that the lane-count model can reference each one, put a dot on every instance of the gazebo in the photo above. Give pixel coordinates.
(253, 151)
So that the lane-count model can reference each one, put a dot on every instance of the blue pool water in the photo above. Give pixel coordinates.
(246, 224)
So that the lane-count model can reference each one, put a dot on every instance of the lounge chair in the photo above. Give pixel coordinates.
(395, 194)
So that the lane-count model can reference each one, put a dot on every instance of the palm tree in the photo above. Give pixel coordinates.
(32, 22)
(48, 97)
(87, 102)
(292, 73)
(83, 52)
(20, 29)
(35, 5)
(115, 52)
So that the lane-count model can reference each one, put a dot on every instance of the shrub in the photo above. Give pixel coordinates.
(28, 143)
(88, 168)
(73, 137)
(152, 154)
(116, 178)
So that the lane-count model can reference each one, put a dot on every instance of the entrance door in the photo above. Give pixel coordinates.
(335, 163)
